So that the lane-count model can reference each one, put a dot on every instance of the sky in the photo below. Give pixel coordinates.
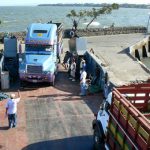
(35, 2)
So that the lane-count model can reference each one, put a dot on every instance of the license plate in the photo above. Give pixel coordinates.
(34, 81)
(40, 34)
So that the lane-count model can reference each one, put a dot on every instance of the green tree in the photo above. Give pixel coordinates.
(76, 16)
(94, 13)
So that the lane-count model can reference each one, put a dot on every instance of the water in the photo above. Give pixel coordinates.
(18, 18)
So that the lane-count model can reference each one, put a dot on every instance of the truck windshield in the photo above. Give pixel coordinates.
(39, 48)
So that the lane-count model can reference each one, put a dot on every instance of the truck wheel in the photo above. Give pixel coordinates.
(53, 82)
(98, 140)
(22, 84)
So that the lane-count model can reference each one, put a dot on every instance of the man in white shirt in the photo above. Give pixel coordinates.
(11, 110)
(83, 82)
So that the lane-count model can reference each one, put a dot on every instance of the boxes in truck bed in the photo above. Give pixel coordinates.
(129, 122)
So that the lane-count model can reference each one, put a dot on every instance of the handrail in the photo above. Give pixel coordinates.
(132, 106)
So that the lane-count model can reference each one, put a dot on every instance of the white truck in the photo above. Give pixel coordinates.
(123, 121)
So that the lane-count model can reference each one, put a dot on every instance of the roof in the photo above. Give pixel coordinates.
(39, 33)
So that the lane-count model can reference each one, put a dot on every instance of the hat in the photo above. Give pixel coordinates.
(12, 95)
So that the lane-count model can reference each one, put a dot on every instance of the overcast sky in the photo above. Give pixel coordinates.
(35, 2)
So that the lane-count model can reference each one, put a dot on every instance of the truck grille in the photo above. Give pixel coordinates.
(34, 69)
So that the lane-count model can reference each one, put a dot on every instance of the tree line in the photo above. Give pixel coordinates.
(125, 5)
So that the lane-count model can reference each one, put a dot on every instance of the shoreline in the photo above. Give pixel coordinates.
(89, 32)
(124, 5)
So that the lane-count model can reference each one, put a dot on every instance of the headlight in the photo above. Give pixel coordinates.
(46, 72)
(21, 71)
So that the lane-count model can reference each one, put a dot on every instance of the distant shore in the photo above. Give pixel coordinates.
(89, 32)
(125, 5)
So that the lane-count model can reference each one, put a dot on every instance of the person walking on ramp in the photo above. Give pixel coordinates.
(83, 82)
(11, 110)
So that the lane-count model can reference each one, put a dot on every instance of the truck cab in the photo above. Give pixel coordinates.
(39, 61)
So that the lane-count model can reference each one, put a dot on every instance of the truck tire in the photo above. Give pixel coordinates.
(22, 84)
(53, 82)
(98, 139)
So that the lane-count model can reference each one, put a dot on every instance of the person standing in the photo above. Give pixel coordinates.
(66, 60)
(70, 62)
(83, 82)
(106, 86)
(75, 24)
(73, 69)
(82, 64)
(105, 91)
(11, 110)
(20, 47)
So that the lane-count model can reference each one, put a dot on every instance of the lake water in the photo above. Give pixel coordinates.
(18, 18)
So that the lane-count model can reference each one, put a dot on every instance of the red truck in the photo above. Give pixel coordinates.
(123, 122)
